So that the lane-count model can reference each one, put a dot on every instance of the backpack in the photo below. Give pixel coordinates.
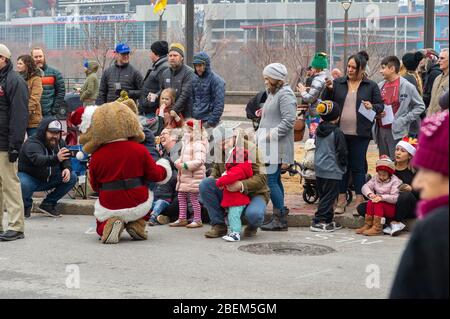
(253, 105)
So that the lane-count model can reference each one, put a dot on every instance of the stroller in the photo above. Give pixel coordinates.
(79, 167)
(306, 171)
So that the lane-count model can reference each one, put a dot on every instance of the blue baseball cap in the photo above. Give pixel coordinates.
(122, 48)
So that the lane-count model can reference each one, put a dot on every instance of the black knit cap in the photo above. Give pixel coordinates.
(411, 60)
(328, 110)
(160, 48)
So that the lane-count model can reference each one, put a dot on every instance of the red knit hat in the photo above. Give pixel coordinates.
(432, 152)
(385, 164)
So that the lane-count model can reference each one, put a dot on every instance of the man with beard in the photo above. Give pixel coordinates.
(52, 98)
(179, 77)
(44, 164)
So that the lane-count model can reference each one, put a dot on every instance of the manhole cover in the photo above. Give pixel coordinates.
(282, 248)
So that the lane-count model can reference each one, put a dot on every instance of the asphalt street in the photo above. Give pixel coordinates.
(63, 258)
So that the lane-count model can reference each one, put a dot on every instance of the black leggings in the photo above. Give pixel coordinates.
(405, 207)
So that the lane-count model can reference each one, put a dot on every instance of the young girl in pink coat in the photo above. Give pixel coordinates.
(382, 191)
(191, 171)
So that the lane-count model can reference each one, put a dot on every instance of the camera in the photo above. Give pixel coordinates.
(73, 153)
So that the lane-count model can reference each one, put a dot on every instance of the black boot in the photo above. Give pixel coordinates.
(11, 235)
(278, 223)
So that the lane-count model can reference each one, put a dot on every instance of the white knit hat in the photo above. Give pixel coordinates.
(4, 51)
(276, 71)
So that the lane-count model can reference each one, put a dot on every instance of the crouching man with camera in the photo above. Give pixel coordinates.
(44, 164)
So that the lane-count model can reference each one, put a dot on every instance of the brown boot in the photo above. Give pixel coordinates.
(367, 225)
(377, 228)
(250, 231)
(216, 231)
(112, 230)
(136, 229)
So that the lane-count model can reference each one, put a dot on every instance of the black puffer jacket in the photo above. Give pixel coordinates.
(13, 109)
(152, 84)
(129, 78)
(39, 160)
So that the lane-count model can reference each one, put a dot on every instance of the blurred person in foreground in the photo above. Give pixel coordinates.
(423, 270)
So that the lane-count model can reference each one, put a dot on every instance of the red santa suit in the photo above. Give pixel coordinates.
(238, 168)
(134, 162)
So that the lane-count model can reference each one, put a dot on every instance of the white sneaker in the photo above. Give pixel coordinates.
(387, 230)
(397, 228)
(232, 237)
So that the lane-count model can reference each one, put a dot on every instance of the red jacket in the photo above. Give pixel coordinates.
(238, 168)
(119, 161)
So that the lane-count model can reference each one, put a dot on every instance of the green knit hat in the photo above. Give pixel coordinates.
(320, 61)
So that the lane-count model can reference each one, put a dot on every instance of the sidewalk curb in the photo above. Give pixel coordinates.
(86, 208)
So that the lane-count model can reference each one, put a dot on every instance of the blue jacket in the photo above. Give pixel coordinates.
(208, 92)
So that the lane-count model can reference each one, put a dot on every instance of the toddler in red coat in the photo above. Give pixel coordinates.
(238, 167)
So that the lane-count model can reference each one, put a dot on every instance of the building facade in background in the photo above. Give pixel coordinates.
(230, 27)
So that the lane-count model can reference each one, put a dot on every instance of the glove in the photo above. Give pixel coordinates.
(13, 155)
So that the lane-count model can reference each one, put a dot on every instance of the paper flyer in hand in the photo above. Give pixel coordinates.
(388, 118)
(369, 114)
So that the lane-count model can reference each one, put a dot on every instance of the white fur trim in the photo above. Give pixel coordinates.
(86, 118)
(408, 147)
(165, 163)
(126, 214)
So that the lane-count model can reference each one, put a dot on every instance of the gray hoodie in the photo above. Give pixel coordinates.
(411, 106)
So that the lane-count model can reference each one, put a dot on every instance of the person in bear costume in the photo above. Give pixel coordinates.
(119, 170)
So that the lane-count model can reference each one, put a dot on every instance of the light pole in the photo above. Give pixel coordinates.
(346, 5)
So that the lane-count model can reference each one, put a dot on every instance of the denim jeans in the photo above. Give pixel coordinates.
(276, 187)
(211, 197)
(357, 163)
(159, 206)
(30, 185)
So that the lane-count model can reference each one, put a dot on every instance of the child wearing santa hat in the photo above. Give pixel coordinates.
(382, 191)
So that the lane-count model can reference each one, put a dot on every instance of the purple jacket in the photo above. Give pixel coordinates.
(387, 190)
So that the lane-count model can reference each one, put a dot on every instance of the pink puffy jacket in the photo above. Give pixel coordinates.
(387, 190)
(193, 153)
